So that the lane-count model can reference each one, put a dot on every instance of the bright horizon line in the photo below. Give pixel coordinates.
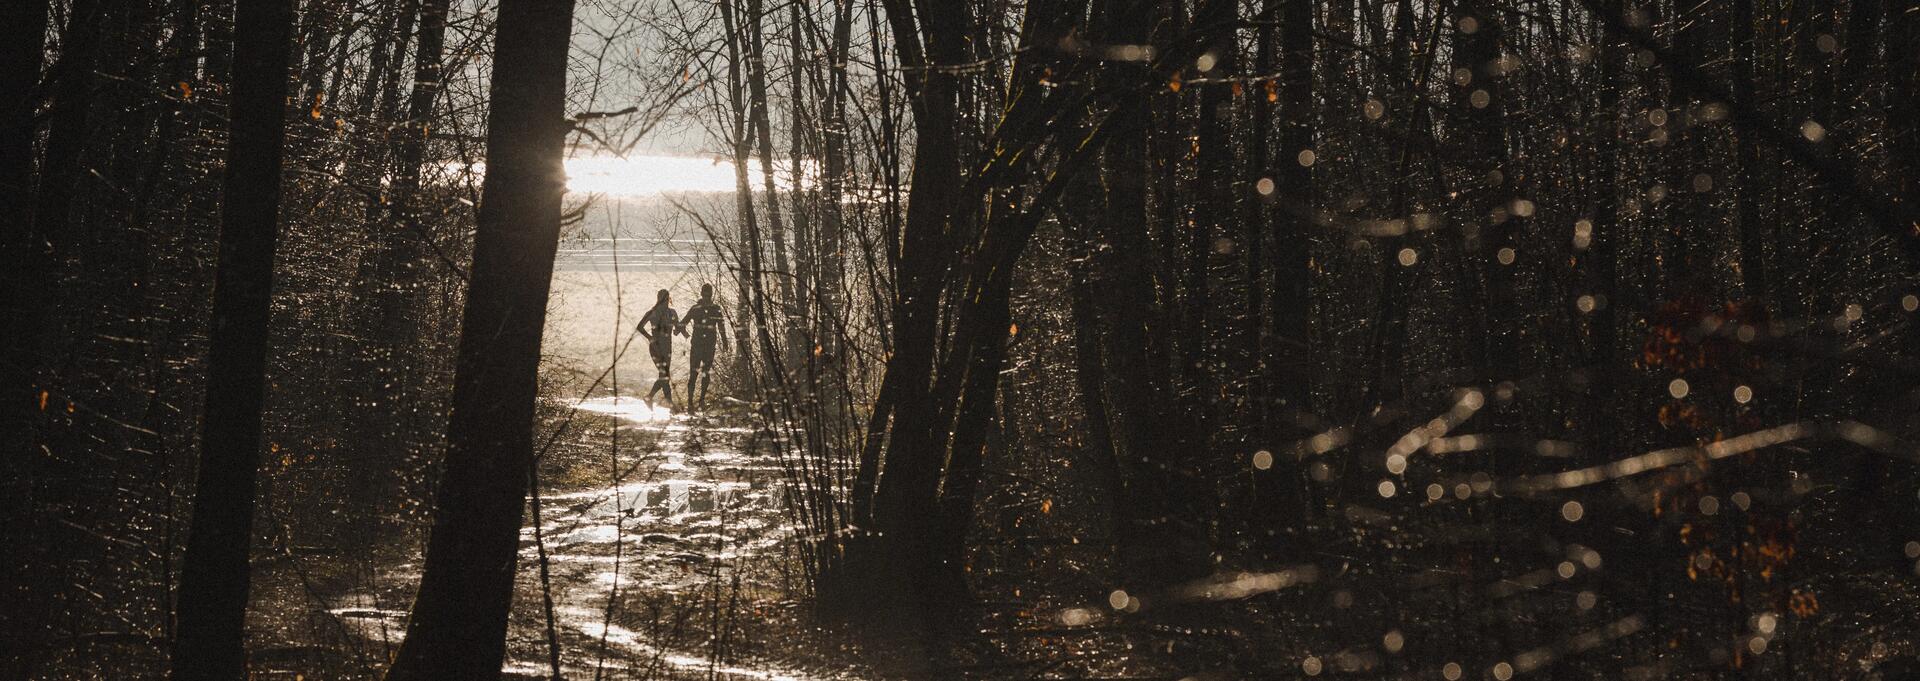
(649, 175)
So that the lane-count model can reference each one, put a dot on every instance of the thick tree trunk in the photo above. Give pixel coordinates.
(217, 25)
(804, 201)
(211, 633)
(427, 83)
(23, 299)
(321, 20)
(25, 25)
(21, 56)
(924, 257)
(1255, 223)
(459, 623)
(834, 175)
(1694, 211)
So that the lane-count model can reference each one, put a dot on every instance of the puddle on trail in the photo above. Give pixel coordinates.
(631, 409)
(690, 509)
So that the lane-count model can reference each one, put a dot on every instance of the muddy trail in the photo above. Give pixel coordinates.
(662, 550)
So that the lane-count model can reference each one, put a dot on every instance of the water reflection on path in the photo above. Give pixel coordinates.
(688, 508)
(686, 513)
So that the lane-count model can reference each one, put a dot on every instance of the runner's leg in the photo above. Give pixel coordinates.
(663, 368)
(706, 379)
(665, 362)
(693, 379)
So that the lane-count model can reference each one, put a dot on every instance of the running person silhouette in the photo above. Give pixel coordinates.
(706, 319)
(658, 327)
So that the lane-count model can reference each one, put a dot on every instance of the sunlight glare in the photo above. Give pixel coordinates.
(649, 176)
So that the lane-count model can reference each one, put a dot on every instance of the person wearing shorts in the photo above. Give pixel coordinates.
(708, 325)
(658, 327)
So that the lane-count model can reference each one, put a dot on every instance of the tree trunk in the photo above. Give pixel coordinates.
(25, 262)
(752, 303)
(24, 295)
(427, 83)
(1755, 272)
(1212, 209)
(1490, 227)
(322, 18)
(1255, 223)
(459, 622)
(924, 256)
(834, 174)
(1903, 101)
(388, 41)
(68, 130)
(386, 380)
(755, 42)
(1293, 185)
(1388, 345)
(1288, 370)
(211, 633)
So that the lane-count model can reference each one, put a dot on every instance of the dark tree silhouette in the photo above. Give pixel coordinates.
(459, 623)
(23, 269)
(214, 579)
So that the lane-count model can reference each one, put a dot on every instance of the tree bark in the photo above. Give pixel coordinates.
(459, 623)
(24, 295)
(23, 250)
(211, 634)
(68, 130)
(924, 257)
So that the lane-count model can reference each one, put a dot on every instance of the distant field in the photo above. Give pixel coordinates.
(610, 265)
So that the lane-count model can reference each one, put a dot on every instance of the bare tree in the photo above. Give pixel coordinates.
(459, 623)
(216, 572)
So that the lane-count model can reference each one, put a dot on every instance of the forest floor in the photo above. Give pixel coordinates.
(662, 543)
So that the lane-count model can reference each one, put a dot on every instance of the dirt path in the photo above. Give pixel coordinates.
(688, 542)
